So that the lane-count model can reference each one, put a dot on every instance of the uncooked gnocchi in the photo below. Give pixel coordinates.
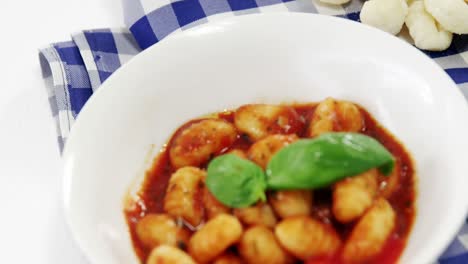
(451, 14)
(387, 15)
(425, 31)
(335, 2)
(430, 22)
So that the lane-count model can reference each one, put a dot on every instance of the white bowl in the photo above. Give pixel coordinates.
(265, 58)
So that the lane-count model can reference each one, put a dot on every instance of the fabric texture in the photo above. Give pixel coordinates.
(73, 70)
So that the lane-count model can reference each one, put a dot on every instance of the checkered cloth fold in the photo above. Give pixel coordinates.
(73, 70)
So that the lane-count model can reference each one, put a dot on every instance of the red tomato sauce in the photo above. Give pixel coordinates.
(152, 192)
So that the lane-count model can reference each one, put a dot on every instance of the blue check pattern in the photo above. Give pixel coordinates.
(74, 70)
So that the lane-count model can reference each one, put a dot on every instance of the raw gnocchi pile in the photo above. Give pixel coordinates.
(431, 23)
(354, 224)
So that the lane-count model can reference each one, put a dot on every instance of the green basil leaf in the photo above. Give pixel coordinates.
(236, 182)
(319, 162)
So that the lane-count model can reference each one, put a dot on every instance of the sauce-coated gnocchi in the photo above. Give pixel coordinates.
(291, 203)
(197, 143)
(369, 235)
(352, 196)
(259, 214)
(259, 245)
(332, 115)
(228, 258)
(169, 255)
(178, 219)
(263, 150)
(185, 186)
(161, 229)
(212, 206)
(213, 238)
(306, 237)
(261, 120)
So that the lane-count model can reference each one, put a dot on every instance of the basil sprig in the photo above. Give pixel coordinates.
(304, 164)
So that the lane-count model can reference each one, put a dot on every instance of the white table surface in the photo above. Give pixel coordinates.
(32, 225)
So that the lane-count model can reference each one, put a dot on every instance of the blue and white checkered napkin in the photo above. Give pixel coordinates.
(73, 70)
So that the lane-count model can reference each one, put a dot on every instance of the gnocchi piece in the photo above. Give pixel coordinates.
(261, 120)
(259, 214)
(196, 144)
(370, 233)
(451, 14)
(184, 187)
(160, 229)
(390, 184)
(212, 206)
(228, 259)
(387, 15)
(169, 255)
(213, 238)
(239, 153)
(354, 195)
(305, 237)
(335, 2)
(265, 148)
(331, 115)
(259, 245)
(425, 31)
(291, 203)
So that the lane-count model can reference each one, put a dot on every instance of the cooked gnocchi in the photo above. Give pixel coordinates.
(332, 115)
(261, 120)
(185, 185)
(161, 229)
(370, 233)
(169, 255)
(352, 196)
(390, 184)
(307, 238)
(213, 238)
(261, 151)
(212, 206)
(259, 214)
(228, 258)
(197, 143)
(291, 203)
(259, 245)
(181, 216)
